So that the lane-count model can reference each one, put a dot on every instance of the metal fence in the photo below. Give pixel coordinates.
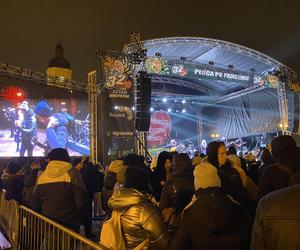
(28, 230)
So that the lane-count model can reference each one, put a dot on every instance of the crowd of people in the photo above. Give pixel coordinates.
(220, 200)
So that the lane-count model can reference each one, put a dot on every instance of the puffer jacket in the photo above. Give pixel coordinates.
(212, 221)
(277, 221)
(60, 194)
(141, 219)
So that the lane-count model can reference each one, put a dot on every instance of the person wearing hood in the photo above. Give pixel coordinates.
(230, 178)
(28, 129)
(159, 175)
(212, 220)
(60, 192)
(56, 131)
(286, 157)
(140, 216)
(178, 191)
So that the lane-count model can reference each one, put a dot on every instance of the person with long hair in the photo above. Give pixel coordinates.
(230, 178)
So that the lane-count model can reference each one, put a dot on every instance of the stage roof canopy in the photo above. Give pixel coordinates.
(211, 53)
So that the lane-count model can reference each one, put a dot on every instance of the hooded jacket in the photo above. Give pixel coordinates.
(60, 194)
(141, 218)
(57, 137)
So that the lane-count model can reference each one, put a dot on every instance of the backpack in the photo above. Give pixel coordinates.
(111, 234)
(294, 176)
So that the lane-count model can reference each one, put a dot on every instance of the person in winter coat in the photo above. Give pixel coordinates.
(267, 160)
(141, 218)
(230, 177)
(213, 220)
(60, 193)
(56, 131)
(277, 221)
(28, 129)
(159, 175)
(13, 180)
(177, 191)
(286, 157)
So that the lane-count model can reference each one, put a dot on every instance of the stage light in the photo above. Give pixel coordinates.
(63, 103)
(183, 101)
(177, 111)
(19, 94)
(286, 125)
(133, 108)
(175, 101)
(155, 99)
(158, 54)
(230, 66)
(252, 70)
(217, 135)
(280, 125)
(164, 99)
(183, 111)
(182, 58)
(211, 63)
(151, 109)
(116, 107)
(169, 110)
(193, 102)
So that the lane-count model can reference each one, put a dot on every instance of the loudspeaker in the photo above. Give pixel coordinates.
(143, 101)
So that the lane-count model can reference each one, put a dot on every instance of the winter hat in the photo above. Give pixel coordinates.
(115, 166)
(205, 176)
(59, 154)
(76, 161)
(136, 178)
(24, 105)
(43, 109)
(283, 144)
(13, 168)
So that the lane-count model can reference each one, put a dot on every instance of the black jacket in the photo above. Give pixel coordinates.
(60, 194)
(232, 184)
(212, 221)
(14, 187)
(277, 221)
(273, 178)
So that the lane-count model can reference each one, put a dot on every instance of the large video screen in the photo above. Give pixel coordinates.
(36, 118)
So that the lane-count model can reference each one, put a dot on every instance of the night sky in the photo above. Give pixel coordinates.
(30, 29)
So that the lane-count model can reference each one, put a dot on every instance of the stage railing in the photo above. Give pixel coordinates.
(29, 230)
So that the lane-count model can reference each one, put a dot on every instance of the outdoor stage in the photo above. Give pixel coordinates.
(202, 89)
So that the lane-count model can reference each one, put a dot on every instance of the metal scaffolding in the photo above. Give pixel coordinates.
(92, 98)
(283, 108)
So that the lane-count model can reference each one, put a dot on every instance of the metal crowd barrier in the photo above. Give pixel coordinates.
(28, 230)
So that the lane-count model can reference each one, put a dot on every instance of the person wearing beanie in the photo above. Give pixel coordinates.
(109, 184)
(60, 193)
(56, 131)
(141, 219)
(177, 191)
(213, 220)
(286, 157)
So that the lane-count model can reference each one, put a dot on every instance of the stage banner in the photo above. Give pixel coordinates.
(117, 105)
(160, 129)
